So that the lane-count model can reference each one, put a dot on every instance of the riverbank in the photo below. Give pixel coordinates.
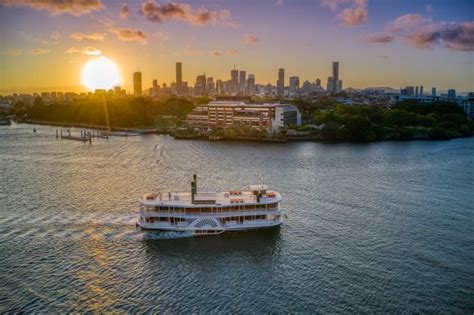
(176, 134)
(88, 126)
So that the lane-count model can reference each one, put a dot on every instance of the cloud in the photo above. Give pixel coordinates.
(379, 38)
(90, 51)
(12, 52)
(129, 34)
(92, 36)
(230, 52)
(354, 16)
(58, 7)
(280, 3)
(216, 53)
(124, 11)
(39, 51)
(250, 39)
(423, 33)
(53, 39)
(161, 36)
(350, 12)
(184, 12)
(73, 50)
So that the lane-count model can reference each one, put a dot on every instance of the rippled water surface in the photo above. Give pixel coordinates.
(381, 227)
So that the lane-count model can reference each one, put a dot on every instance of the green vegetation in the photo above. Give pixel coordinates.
(324, 119)
(406, 120)
(125, 113)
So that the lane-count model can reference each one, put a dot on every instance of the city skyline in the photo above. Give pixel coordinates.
(376, 44)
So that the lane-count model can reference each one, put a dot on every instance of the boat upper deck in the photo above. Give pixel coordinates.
(209, 198)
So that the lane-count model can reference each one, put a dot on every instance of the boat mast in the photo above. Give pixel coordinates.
(193, 188)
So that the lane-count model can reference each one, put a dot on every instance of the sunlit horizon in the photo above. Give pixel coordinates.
(100, 73)
(378, 44)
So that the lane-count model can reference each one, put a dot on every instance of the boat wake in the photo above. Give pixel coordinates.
(164, 235)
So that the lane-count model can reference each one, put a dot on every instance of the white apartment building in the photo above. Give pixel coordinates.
(239, 114)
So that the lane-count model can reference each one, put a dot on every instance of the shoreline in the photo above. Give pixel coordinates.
(285, 139)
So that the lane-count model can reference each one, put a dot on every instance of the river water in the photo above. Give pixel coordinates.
(379, 227)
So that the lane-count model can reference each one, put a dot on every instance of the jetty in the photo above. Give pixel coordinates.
(84, 137)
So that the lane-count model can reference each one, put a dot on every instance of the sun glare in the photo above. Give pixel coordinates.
(100, 73)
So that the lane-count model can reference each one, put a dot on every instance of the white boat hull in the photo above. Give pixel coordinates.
(210, 229)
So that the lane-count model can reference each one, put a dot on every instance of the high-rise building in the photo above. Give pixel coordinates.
(154, 89)
(433, 91)
(200, 87)
(318, 82)
(410, 91)
(117, 91)
(242, 83)
(335, 76)
(219, 87)
(330, 85)
(234, 81)
(451, 93)
(421, 90)
(137, 83)
(416, 91)
(294, 84)
(251, 85)
(281, 82)
(179, 77)
(339, 86)
(211, 87)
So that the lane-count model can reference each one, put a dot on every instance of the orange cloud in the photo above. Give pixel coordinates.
(90, 51)
(39, 51)
(92, 36)
(184, 12)
(129, 34)
(379, 38)
(58, 7)
(250, 39)
(12, 52)
(354, 16)
(230, 52)
(354, 12)
(124, 11)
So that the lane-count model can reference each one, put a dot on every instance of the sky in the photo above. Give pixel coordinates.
(44, 44)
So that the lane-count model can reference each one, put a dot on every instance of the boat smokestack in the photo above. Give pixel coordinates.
(193, 188)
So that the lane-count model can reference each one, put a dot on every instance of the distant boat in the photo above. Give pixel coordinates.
(5, 122)
(124, 133)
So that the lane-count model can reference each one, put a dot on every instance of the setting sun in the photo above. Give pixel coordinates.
(100, 73)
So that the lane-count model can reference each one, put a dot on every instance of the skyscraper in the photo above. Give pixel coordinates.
(251, 85)
(318, 82)
(421, 90)
(451, 93)
(294, 84)
(335, 76)
(137, 83)
(242, 79)
(234, 81)
(179, 77)
(416, 91)
(433, 91)
(155, 88)
(219, 87)
(281, 82)
(330, 85)
(200, 87)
